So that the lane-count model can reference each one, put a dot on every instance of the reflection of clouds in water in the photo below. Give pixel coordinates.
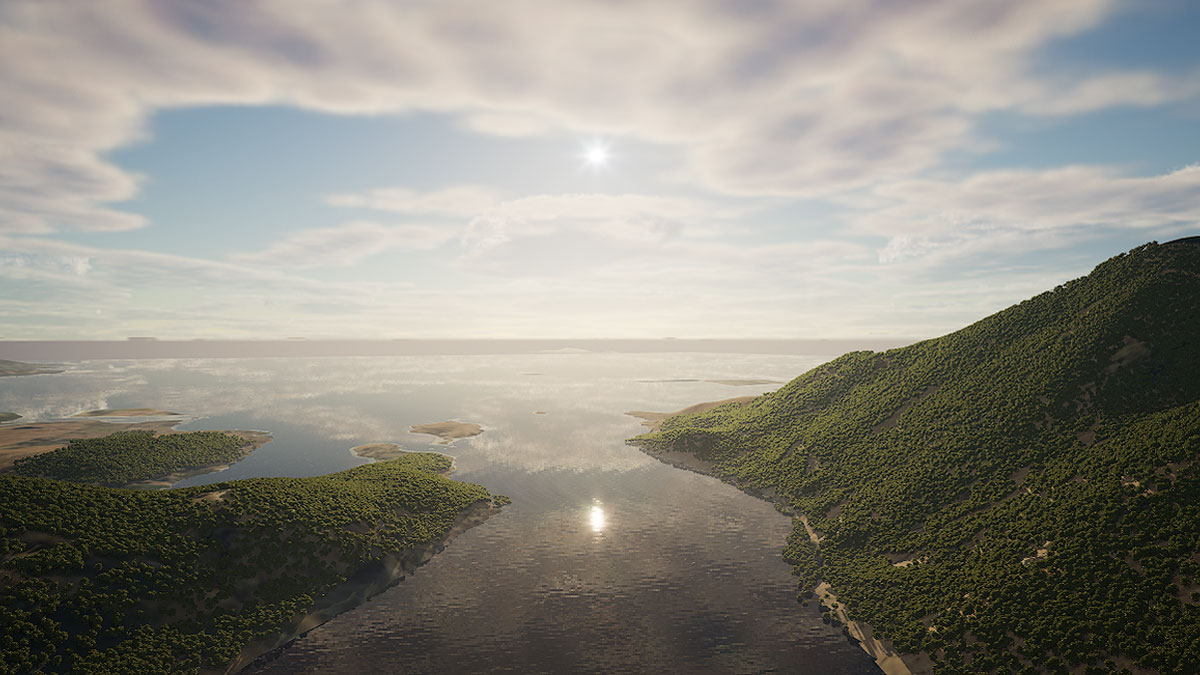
(578, 450)
(368, 399)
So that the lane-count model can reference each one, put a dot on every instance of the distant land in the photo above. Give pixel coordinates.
(14, 368)
(145, 348)
(1022, 495)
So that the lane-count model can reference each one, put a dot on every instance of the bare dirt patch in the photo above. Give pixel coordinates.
(449, 431)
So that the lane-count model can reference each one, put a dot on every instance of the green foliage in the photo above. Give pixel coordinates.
(104, 580)
(128, 456)
(1072, 418)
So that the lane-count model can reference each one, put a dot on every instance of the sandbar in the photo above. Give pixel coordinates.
(9, 416)
(449, 431)
(126, 412)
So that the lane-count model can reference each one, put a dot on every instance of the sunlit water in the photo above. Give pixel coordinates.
(607, 560)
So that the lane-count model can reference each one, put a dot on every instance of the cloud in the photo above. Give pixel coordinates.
(345, 245)
(1030, 201)
(464, 200)
(770, 98)
(491, 220)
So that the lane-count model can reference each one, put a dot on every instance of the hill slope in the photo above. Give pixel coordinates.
(104, 580)
(1019, 495)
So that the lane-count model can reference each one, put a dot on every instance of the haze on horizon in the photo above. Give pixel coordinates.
(524, 169)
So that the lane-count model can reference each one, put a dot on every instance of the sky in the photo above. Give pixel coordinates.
(621, 169)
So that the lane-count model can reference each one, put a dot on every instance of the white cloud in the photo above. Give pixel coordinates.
(921, 216)
(783, 98)
(345, 244)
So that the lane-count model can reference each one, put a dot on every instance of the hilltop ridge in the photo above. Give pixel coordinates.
(1021, 494)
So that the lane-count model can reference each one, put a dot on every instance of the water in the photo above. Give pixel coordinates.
(607, 561)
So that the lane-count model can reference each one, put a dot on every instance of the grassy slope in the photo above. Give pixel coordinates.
(104, 580)
(1072, 418)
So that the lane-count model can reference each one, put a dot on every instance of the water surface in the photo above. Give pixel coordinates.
(607, 561)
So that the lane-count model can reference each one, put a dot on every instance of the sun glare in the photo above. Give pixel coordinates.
(596, 155)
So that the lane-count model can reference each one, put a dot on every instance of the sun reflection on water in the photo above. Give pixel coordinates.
(597, 518)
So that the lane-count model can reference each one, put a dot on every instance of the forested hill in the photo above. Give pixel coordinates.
(1019, 495)
(203, 579)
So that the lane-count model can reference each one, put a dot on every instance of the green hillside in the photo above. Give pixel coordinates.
(1037, 467)
(139, 455)
(103, 580)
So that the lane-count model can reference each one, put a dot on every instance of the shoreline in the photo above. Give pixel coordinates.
(370, 581)
(18, 441)
(886, 658)
(382, 452)
(253, 441)
(654, 420)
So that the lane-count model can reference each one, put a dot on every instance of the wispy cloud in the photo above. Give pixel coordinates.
(782, 99)
(849, 109)
(921, 216)
(464, 200)
(345, 244)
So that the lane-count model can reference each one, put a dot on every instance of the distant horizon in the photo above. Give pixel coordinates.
(75, 350)
(526, 168)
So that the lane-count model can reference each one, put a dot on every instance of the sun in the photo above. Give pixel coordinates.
(596, 155)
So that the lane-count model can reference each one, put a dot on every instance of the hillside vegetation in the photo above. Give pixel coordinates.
(128, 456)
(103, 580)
(1018, 496)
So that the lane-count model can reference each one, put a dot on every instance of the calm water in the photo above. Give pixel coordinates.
(607, 561)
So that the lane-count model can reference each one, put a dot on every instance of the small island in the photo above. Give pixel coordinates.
(449, 431)
(17, 368)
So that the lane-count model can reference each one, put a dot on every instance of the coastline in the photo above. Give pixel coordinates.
(369, 581)
(654, 420)
(26, 440)
(886, 658)
(253, 441)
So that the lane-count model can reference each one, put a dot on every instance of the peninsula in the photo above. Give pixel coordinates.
(142, 458)
(207, 579)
